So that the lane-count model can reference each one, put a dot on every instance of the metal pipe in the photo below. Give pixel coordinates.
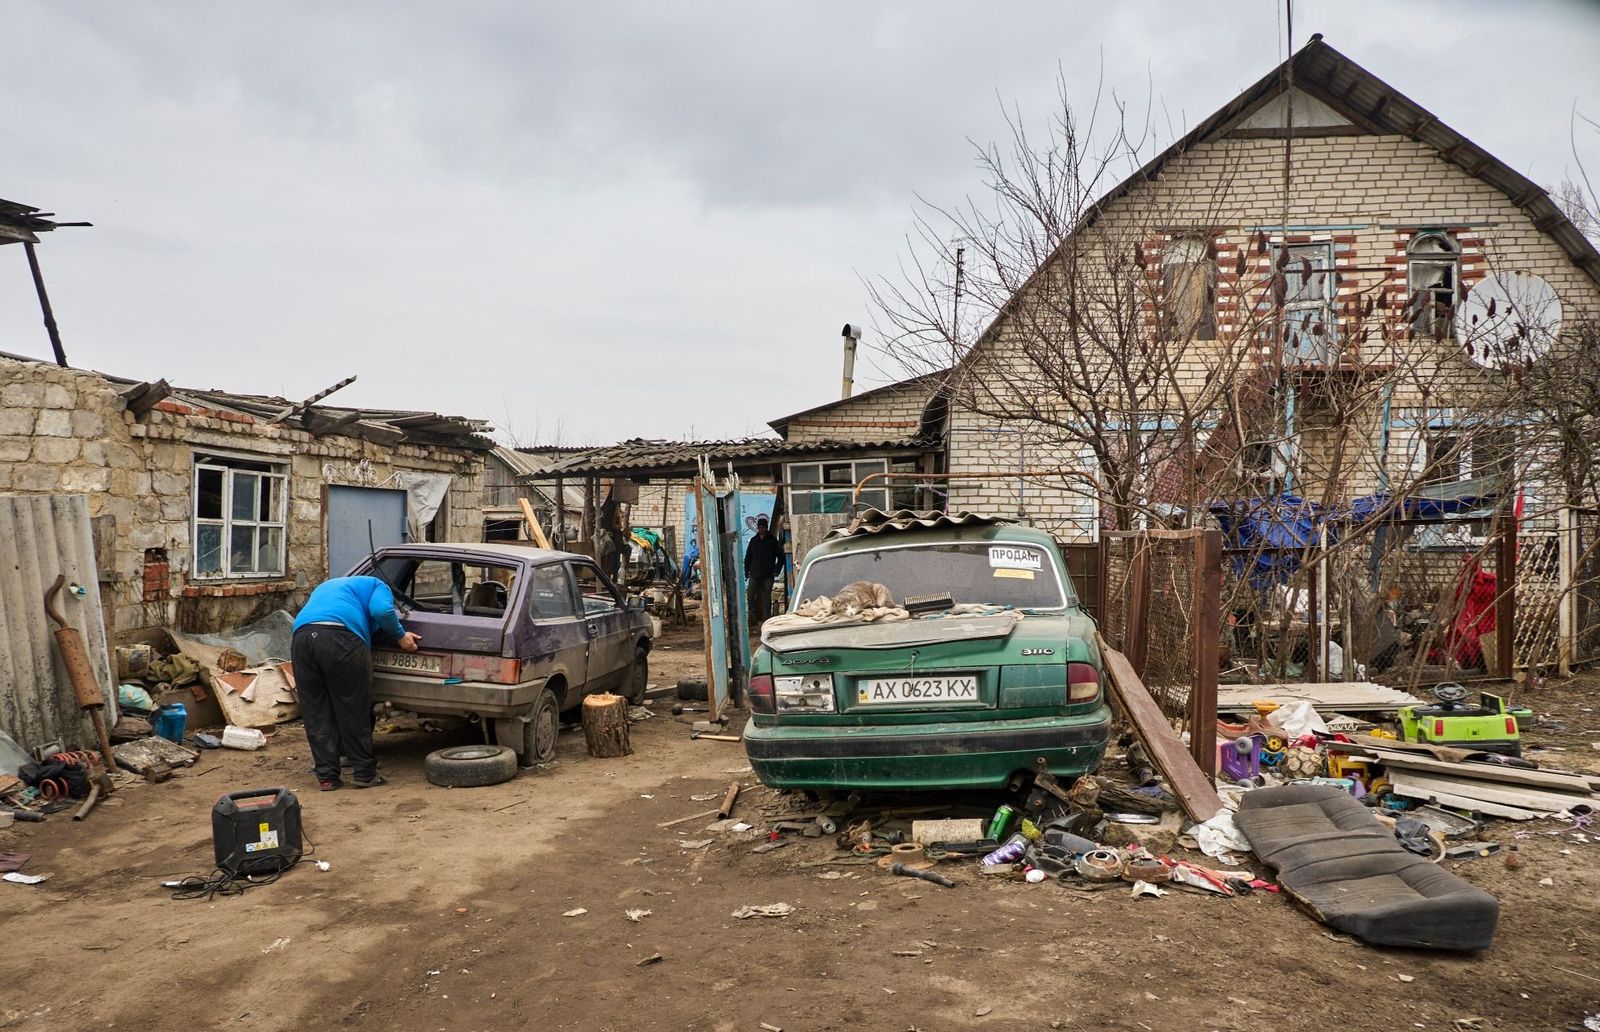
(44, 305)
(851, 335)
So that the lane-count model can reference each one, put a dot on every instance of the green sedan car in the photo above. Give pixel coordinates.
(1005, 671)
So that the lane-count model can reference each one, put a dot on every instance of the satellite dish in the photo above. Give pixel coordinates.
(1509, 319)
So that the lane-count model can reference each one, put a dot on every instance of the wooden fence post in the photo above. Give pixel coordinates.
(1505, 616)
(1207, 637)
(1138, 629)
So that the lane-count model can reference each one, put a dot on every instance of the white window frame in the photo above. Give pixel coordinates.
(1304, 311)
(231, 467)
(1433, 306)
(884, 488)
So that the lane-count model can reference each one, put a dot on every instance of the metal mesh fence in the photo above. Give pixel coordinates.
(1159, 639)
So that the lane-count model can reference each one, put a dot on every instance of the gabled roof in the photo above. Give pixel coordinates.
(925, 383)
(1325, 73)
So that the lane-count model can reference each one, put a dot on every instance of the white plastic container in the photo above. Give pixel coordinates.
(242, 738)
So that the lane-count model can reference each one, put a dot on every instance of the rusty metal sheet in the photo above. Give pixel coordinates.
(876, 521)
(42, 536)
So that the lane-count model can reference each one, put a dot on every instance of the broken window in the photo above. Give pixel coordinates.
(238, 507)
(1305, 278)
(1432, 262)
(1188, 290)
(1470, 453)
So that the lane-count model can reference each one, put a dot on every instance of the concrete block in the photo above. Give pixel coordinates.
(88, 423)
(53, 423)
(37, 478)
(55, 449)
(170, 484)
(58, 397)
(85, 479)
(17, 422)
(15, 449)
(94, 453)
(22, 395)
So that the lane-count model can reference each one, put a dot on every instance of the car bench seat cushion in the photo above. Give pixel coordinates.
(1334, 857)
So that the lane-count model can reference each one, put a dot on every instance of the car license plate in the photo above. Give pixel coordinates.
(910, 691)
(414, 661)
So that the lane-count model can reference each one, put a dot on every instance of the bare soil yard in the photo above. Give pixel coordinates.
(443, 910)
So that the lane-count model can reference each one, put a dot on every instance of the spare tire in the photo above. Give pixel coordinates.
(470, 766)
(692, 689)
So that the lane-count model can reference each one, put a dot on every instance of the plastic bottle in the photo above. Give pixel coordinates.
(1011, 849)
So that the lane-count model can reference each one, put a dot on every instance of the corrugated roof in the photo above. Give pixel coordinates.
(876, 521)
(640, 457)
(382, 425)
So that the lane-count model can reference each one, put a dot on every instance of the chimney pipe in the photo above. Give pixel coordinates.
(851, 335)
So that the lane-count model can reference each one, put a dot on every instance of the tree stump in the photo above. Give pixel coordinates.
(605, 725)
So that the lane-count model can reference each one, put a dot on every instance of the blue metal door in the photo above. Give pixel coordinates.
(350, 510)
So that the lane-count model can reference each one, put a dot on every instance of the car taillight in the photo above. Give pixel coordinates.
(1083, 682)
(811, 693)
(1511, 725)
(762, 697)
(1438, 729)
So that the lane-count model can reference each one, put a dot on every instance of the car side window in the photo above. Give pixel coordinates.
(551, 594)
(597, 596)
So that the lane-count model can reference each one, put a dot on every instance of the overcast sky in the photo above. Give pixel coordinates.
(603, 220)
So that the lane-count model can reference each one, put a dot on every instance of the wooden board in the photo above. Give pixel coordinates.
(274, 695)
(147, 752)
(1326, 697)
(1539, 780)
(1482, 792)
(1402, 785)
(1195, 791)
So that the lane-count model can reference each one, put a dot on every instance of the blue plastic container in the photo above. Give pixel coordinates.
(170, 721)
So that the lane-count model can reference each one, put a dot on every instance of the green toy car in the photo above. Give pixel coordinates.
(998, 666)
(1490, 726)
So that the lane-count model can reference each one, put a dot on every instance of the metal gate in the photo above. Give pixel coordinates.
(350, 512)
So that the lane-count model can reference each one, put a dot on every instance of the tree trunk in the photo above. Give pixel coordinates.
(605, 725)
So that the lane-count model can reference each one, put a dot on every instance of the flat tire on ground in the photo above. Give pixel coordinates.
(470, 766)
(692, 689)
(638, 681)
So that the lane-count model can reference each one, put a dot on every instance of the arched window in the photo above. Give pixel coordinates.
(1433, 261)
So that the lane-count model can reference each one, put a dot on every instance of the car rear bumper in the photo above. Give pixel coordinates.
(437, 697)
(950, 755)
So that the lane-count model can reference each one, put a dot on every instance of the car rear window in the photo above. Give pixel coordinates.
(452, 586)
(984, 572)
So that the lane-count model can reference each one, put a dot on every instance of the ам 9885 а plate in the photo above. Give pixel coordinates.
(916, 691)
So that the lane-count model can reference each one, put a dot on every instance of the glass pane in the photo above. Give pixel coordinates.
(833, 501)
(803, 503)
(551, 595)
(805, 474)
(244, 495)
(597, 595)
(840, 473)
(208, 549)
(869, 467)
(1021, 575)
(271, 507)
(874, 499)
(269, 550)
(208, 494)
(242, 550)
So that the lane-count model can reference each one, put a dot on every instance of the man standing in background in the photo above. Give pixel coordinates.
(763, 561)
(332, 656)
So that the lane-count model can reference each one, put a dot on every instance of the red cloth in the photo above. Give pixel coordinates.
(1475, 615)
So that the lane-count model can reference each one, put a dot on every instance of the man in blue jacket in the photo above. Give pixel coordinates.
(332, 655)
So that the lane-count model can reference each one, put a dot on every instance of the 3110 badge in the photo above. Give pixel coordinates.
(1038, 652)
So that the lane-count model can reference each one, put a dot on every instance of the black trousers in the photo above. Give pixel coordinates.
(333, 679)
(759, 601)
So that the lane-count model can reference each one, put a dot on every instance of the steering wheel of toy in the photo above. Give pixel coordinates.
(1449, 692)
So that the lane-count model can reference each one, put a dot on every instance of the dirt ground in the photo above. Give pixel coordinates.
(444, 910)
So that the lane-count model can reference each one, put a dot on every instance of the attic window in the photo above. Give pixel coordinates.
(1432, 262)
(1188, 290)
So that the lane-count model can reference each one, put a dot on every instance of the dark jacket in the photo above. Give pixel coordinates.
(764, 557)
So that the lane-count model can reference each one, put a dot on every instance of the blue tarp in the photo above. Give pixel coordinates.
(1278, 529)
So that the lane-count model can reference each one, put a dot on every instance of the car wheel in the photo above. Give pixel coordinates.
(638, 678)
(470, 766)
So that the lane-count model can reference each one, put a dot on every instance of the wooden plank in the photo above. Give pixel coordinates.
(1551, 781)
(1326, 697)
(534, 530)
(1489, 792)
(1447, 797)
(1207, 617)
(1196, 792)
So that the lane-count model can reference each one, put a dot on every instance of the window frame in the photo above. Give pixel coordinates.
(1428, 318)
(1176, 324)
(265, 470)
(1322, 352)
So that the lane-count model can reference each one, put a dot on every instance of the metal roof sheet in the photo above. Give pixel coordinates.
(644, 457)
(876, 521)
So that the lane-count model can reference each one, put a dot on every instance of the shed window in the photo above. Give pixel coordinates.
(238, 517)
(1188, 290)
(1309, 331)
(1432, 262)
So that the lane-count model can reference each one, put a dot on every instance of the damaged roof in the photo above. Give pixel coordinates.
(22, 223)
(381, 426)
(645, 458)
(876, 521)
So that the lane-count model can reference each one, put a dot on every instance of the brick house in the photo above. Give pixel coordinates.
(211, 509)
(1393, 222)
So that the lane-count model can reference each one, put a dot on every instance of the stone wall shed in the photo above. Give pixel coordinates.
(211, 509)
